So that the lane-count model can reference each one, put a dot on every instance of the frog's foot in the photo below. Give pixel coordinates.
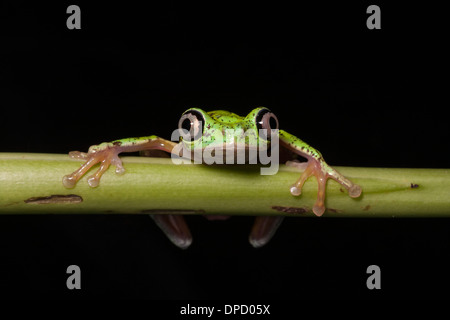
(263, 230)
(175, 228)
(322, 172)
(105, 157)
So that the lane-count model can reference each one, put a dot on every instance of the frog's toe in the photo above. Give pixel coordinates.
(119, 166)
(296, 188)
(94, 180)
(69, 181)
(319, 206)
(319, 209)
(295, 191)
(354, 191)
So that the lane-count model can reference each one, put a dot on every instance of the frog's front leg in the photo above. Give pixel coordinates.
(316, 166)
(107, 153)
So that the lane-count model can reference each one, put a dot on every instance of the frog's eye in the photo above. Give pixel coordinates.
(266, 120)
(192, 121)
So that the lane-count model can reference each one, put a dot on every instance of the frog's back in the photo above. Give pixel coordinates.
(224, 116)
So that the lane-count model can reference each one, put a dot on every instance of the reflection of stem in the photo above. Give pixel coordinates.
(31, 183)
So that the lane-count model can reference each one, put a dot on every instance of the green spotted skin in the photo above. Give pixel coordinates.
(296, 143)
(127, 142)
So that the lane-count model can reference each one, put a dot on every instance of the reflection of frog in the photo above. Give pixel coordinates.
(204, 129)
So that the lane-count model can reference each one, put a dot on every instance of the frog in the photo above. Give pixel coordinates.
(201, 130)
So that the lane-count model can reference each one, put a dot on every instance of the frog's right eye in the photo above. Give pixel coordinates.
(192, 122)
(266, 121)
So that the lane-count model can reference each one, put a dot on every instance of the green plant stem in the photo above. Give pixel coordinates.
(31, 183)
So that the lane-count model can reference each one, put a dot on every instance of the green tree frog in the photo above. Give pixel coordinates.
(208, 129)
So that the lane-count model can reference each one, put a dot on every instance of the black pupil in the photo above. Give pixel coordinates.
(194, 124)
(259, 118)
(273, 123)
(186, 124)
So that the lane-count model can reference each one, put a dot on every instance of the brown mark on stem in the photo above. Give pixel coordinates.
(296, 210)
(10, 204)
(55, 199)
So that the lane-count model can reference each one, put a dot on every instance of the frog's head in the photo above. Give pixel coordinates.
(226, 130)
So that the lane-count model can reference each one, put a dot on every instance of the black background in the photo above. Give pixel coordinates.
(368, 98)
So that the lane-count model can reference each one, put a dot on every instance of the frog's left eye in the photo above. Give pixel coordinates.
(193, 122)
(265, 119)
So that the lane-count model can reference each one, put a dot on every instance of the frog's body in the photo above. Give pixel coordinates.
(224, 130)
(218, 130)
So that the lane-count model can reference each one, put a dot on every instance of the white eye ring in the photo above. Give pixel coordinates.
(263, 121)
